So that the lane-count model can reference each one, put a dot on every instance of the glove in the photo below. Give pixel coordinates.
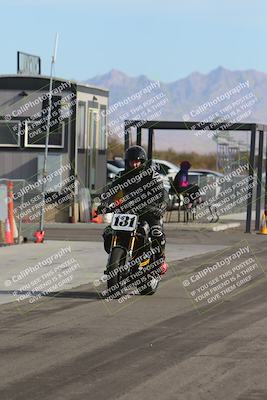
(118, 203)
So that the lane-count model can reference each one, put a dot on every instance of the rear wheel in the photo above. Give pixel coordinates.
(113, 272)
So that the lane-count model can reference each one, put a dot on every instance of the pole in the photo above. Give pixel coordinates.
(126, 136)
(139, 136)
(259, 182)
(150, 145)
(53, 60)
(251, 178)
(265, 197)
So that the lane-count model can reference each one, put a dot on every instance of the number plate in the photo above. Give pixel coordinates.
(124, 222)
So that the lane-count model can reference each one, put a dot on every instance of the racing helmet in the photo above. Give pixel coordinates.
(135, 153)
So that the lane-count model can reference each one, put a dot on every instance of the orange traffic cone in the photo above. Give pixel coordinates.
(11, 208)
(263, 227)
(8, 234)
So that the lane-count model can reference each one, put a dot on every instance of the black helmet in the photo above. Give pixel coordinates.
(135, 153)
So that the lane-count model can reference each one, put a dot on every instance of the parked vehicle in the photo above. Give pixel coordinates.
(200, 176)
(112, 171)
(204, 177)
(167, 168)
(117, 162)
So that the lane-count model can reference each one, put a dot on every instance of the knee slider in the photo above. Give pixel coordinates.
(156, 231)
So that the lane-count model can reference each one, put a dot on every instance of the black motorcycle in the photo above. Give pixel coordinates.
(132, 260)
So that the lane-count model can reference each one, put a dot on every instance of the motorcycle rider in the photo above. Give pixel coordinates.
(139, 189)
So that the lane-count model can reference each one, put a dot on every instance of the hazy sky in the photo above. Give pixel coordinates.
(163, 39)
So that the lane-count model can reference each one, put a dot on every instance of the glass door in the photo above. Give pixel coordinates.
(93, 134)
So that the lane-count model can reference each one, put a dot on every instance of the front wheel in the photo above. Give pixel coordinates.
(149, 286)
(113, 272)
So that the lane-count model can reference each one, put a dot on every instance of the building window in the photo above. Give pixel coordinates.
(81, 126)
(103, 129)
(10, 133)
(35, 135)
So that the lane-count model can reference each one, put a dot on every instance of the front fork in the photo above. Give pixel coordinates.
(129, 250)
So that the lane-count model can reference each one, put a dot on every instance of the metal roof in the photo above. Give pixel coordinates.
(195, 125)
(55, 78)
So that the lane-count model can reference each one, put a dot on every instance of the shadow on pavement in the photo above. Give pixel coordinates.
(62, 294)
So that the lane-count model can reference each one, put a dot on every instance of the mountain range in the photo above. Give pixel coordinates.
(220, 94)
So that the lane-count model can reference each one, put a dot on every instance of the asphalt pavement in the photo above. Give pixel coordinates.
(174, 345)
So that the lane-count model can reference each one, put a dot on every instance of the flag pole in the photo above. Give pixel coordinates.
(53, 61)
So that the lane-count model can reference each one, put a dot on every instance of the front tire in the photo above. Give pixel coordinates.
(114, 277)
(149, 287)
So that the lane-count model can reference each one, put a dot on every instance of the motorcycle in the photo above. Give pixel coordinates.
(131, 260)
